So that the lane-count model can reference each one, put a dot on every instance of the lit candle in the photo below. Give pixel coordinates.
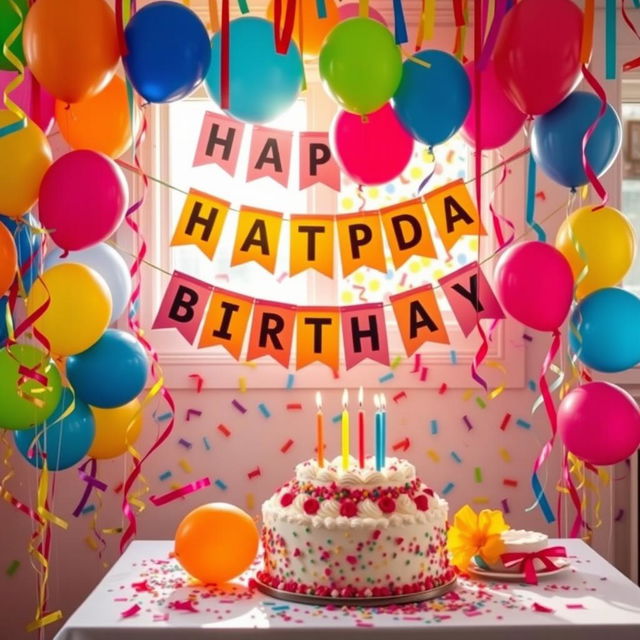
(376, 401)
(320, 430)
(345, 430)
(360, 428)
(383, 429)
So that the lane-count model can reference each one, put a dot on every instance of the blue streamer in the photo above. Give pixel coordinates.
(531, 200)
(321, 9)
(401, 26)
(541, 499)
(636, 4)
(610, 25)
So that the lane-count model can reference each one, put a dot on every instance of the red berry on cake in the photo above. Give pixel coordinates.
(286, 499)
(348, 509)
(311, 506)
(387, 505)
(421, 502)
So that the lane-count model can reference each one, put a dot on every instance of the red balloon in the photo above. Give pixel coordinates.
(537, 54)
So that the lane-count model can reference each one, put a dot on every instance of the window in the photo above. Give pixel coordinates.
(630, 204)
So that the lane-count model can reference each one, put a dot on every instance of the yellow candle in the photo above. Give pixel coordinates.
(345, 430)
(320, 430)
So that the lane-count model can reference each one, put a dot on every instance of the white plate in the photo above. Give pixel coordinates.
(562, 564)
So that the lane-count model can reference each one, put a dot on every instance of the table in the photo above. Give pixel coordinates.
(147, 596)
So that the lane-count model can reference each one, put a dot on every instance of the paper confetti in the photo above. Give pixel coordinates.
(453, 356)
(263, 410)
(12, 568)
(540, 608)
(395, 362)
(131, 611)
(505, 505)
(402, 444)
(481, 403)
(574, 606)
(165, 475)
(505, 421)
(118, 487)
(254, 473)
(509, 482)
(386, 377)
(527, 337)
(477, 474)
(290, 380)
(90, 508)
(399, 396)
(619, 515)
(238, 406)
(286, 446)
(185, 443)
(199, 380)
(480, 500)
(91, 543)
(434, 427)
(466, 396)
(523, 423)
(242, 384)
(467, 422)
(443, 388)
(416, 363)
(448, 488)
(251, 501)
(456, 457)
(221, 485)
(433, 455)
(180, 492)
(294, 406)
(336, 418)
(223, 429)
(193, 412)
(164, 417)
(205, 441)
(504, 454)
(423, 374)
(532, 385)
(185, 466)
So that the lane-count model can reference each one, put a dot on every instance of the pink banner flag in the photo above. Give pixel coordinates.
(364, 333)
(317, 163)
(270, 155)
(219, 142)
(183, 305)
(470, 297)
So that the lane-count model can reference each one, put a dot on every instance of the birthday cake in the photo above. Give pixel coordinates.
(355, 532)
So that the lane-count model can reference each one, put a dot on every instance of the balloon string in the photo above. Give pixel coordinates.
(17, 81)
(635, 62)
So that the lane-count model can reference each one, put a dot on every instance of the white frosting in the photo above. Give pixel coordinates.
(521, 541)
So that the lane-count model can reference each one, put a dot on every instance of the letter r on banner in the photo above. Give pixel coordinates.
(271, 331)
(219, 142)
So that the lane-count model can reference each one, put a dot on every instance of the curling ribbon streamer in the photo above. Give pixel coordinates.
(243, 6)
(460, 16)
(586, 45)
(214, 23)
(496, 217)
(399, 22)
(283, 32)
(610, 19)
(425, 181)
(573, 494)
(225, 45)
(17, 81)
(635, 62)
(487, 50)
(363, 8)
(531, 200)
(89, 477)
(197, 485)
(120, 22)
(321, 9)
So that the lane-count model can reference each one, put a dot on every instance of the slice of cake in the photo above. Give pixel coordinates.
(355, 533)
(521, 542)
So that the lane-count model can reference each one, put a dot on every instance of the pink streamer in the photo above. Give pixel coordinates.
(181, 492)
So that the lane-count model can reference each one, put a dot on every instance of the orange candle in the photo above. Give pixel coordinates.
(320, 430)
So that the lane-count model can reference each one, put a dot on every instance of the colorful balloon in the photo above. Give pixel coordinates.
(71, 46)
(216, 542)
(8, 261)
(83, 199)
(262, 83)
(360, 65)
(4, 334)
(556, 139)
(17, 409)
(599, 423)
(534, 283)
(25, 156)
(602, 239)
(371, 150)
(116, 430)
(79, 307)
(606, 335)
(537, 53)
(352, 10)
(9, 20)
(33, 99)
(63, 443)
(433, 102)
(28, 244)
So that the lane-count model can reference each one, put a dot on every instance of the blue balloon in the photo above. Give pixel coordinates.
(607, 335)
(168, 51)
(110, 373)
(65, 443)
(433, 102)
(262, 83)
(556, 139)
(28, 243)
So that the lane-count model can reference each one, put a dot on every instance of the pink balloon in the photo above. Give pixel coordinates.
(352, 10)
(534, 283)
(373, 149)
(599, 423)
(500, 119)
(31, 97)
(83, 198)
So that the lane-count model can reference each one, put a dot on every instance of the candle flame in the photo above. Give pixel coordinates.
(383, 402)
(360, 397)
(345, 398)
(376, 401)
(319, 400)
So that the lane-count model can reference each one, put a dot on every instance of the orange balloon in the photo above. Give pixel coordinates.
(8, 261)
(100, 123)
(216, 542)
(314, 29)
(71, 46)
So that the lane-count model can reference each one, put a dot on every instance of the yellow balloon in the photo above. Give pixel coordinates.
(115, 429)
(25, 155)
(79, 307)
(607, 241)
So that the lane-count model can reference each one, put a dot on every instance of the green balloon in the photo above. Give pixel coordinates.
(360, 65)
(8, 22)
(18, 410)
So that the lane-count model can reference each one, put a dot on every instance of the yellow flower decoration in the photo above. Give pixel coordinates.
(475, 534)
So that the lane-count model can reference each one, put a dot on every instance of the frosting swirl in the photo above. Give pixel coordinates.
(395, 473)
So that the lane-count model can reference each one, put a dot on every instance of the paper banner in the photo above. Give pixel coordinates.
(470, 297)
(454, 213)
(271, 331)
(270, 155)
(201, 222)
(407, 231)
(418, 317)
(311, 244)
(226, 321)
(219, 142)
(365, 334)
(318, 336)
(183, 304)
(317, 164)
(360, 236)
(257, 237)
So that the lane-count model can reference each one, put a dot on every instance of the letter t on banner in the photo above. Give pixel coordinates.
(219, 142)
(364, 334)
(318, 336)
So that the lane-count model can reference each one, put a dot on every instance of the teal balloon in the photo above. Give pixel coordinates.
(64, 443)
(433, 102)
(607, 334)
(262, 83)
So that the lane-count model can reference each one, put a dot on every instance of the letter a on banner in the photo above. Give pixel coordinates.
(183, 304)
(317, 163)
(360, 238)
(219, 142)
(201, 222)
(257, 237)
(418, 317)
(226, 321)
(470, 297)
(454, 213)
(270, 155)
(364, 334)
(311, 244)
(271, 331)
(318, 336)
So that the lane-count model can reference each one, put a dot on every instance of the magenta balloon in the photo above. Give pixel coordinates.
(373, 149)
(352, 10)
(500, 119)
(83, 198)
(534, 283)
(599, 423)
(32, 98)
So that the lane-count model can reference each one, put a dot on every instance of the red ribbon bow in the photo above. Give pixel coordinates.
(526, 561)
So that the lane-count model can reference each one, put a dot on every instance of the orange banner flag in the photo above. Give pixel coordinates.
(318, 336)
(272, 331)
(311, 244)
(257, 237)
(360, 236)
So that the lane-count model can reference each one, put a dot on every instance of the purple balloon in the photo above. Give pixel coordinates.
(32, 98)
(352, 10)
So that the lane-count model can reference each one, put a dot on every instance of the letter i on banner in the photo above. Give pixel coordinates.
(226, 321)
(219, 142)
(470, 297)
(201, 222)
(360, 237)
(364, 334)
(272, 331)
(318, 336)
(257, 237)
(317, 164)
(311, 244)
(183, 305)
(270, 155)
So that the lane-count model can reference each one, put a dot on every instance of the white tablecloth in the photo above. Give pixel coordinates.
(590, 601)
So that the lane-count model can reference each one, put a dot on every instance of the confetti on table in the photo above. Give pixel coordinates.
(575, 606)
(238, 406)
(290, 380)
(193, 412)
(242, 384)
(453, 356)
(416, 363)
(433, 455)
(481, 403)
(164, 417)
(505, 505)
(448, 488)
(185, 443)
(165, 475)
(402, 444)
(286, 446)
(399, 396)
(12, 568)
(183, 605)
(220, 484)
(505, 455)
(386, 377)
(180, 492)
(131, 611)
(423, 374)
(477, 474)
(523, 423)
(254, 473)
(294, 406)
(263, 410)
(509, 482)
(185, 466)
(443, 388)
(505, 421)
(206, 443)
(199, 380)
(223, 429)
(280, 607)
(619, 515)
(467, 422)
(532, 385)
(90, 508)
(540, 608)
(456, 457)
(434, 427)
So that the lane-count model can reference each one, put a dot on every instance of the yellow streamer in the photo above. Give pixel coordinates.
(363, 8)
(15, 61)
